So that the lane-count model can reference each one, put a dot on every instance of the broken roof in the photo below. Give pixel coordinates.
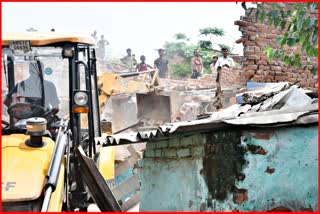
(284, 105)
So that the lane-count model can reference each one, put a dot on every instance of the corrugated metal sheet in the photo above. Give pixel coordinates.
(284, 113)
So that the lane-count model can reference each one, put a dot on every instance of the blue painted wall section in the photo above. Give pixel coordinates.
(287, 175)
(257, 169)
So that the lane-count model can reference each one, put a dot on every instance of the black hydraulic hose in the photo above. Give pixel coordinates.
(42, 84)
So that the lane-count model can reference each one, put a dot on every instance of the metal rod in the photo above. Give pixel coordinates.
(94, 72)
(130, 74)
(46, 200)
(4, 62)
(40, 55)
(11, 82)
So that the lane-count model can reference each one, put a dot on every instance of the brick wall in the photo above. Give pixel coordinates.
(230, 77)
(256, 66)
(232, 170)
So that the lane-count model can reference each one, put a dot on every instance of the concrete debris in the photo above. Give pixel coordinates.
(280, 109)
(257, 96)
(188, 111)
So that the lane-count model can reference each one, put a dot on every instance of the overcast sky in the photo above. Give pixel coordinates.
(143, 27)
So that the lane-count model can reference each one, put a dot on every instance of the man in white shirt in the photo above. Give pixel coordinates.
(224, 60)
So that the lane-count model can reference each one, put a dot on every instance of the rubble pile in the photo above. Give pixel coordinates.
(230, 79)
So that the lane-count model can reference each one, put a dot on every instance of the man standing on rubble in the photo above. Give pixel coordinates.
(161, 64)
(213, 64)
(196, 65)
(101, 47)
(129, 60)
(143, 66)
(224, 60)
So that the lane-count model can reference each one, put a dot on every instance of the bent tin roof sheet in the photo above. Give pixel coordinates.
(281, 109)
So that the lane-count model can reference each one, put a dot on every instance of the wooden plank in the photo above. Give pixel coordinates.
(127, 186)
(129, 162)
(131, 202)
(155, 78)
(122, 153)
(100, 191)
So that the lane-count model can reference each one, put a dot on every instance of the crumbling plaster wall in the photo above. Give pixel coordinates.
(232, 170)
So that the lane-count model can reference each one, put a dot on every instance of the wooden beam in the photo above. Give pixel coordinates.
(127, 186)
(128, 204)
(123, 166)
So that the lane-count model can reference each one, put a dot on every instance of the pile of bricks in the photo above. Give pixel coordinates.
(232, 78)
(188, 84)
(257, 67)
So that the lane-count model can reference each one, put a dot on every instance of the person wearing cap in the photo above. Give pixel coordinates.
(224, 60)
(161, 64)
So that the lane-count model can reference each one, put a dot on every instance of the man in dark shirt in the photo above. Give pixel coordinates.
(161, 64)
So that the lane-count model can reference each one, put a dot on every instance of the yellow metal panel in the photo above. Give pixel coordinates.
(47, 38)
(23, 167)
(56, 197)
(112, 84)
(106, 162)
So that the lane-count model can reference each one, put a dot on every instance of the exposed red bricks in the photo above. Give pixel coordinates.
(240, 196)
(270, 170)
(254, 149)
(260, 35)
(262, 136)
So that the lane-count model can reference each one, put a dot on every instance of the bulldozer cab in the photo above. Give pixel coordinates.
(50, 118)
(49, 75)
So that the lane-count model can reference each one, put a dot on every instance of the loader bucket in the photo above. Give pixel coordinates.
(151, 109)
(154, 108)
(157, 109)
(124, 114)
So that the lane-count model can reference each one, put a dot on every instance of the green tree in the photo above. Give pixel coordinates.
(180, 52)
(298, 29)
(181, 36)
(209, 32)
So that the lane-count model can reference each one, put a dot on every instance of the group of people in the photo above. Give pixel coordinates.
(160, 63)
(217, 63)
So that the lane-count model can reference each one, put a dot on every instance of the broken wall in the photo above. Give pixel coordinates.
(231, 78)
(232, 170)
(257, 67)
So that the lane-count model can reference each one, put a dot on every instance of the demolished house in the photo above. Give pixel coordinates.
(258, 154)
(254, 155)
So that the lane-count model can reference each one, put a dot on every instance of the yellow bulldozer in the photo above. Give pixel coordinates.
(52, 99)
